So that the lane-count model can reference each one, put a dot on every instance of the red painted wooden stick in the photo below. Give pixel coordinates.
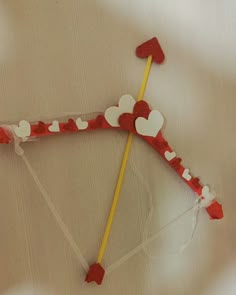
(158, 143)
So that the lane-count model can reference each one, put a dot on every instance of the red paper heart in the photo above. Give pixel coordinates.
(175, 163)
(95, 274)
(151, 47)
(160, 144)
(70, 126)
(141, 109)
(99, 120)
(4, 138)
(126, 121)
(215, 210)
(41, 128)
(195, 181)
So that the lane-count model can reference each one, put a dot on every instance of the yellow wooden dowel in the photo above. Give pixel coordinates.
(122, 169)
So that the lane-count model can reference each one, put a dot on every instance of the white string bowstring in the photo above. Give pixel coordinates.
(198, 204)
(67, 235)
(56, 215)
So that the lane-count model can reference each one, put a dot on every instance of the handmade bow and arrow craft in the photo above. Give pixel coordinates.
(136, 117)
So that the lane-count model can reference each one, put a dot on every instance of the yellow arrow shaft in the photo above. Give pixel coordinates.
(122, 169)
(145, 79)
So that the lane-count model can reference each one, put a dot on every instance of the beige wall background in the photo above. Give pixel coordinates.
(61, 56)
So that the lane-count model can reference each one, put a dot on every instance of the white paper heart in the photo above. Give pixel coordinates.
(81, 125)
(170, 155)
(126, 105)
(206, 191)
(209, 197)
(186, 174)
(23, 130)
(150, 126)
(54, 127)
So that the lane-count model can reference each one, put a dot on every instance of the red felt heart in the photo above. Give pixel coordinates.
(4, 138)
(99, 120)
(126, 121)
(159, 144)
(175, 163)
(41, 128)
(195, 181)
(151, 47)
(141, 109)
(70, 126)
(95, 274)
(215, 210)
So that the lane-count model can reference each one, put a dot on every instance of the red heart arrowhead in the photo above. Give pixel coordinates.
(153, 48)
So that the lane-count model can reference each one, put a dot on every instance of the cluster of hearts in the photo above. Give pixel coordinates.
(132, 116)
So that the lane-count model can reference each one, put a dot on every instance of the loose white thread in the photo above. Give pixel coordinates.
(151, 205)
(143, 244)
(145, 240)
(198, 204)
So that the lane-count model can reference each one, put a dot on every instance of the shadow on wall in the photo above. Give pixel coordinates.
(50, 44)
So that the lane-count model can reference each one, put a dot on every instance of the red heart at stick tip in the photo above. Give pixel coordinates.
(153, 48)
(95, 274)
